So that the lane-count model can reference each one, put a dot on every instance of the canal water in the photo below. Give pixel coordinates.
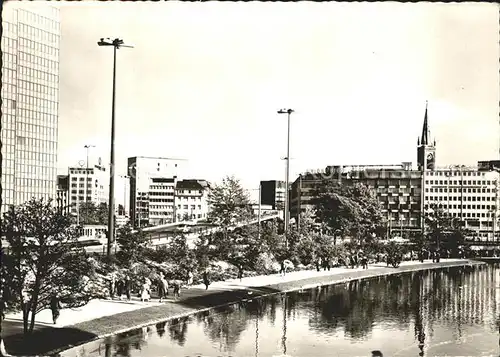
(447, 312)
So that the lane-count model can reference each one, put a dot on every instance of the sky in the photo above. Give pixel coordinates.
(204, 82)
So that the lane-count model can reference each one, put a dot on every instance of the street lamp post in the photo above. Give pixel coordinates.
(287, 181)
(260, 202)
(116, 44)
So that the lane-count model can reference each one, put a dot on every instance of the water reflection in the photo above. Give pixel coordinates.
(446, 312)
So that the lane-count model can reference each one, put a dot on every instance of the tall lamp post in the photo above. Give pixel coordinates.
(287, 180)
(116, 44)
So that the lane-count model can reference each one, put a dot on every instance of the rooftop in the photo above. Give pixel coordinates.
(192, 184)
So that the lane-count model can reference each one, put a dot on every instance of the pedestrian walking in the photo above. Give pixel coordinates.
(112, 286)
(146, 292)
(55, 307)
(126, 287)
(316, 263)
(176, 287)
(240, 271)
(206, 279)
(364, 262)
(282, 267)
(190, 278)
(3, 307)
(352, 261)
(119, 289)
(162, 287)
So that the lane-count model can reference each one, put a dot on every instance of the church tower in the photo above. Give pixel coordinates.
(426, 150)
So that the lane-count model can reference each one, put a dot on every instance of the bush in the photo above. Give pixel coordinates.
(265, 264)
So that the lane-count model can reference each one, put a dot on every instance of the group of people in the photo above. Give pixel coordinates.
(124, 286)
(120, 287)
(353, 260)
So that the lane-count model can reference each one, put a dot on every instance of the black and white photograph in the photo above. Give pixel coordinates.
(250, 179)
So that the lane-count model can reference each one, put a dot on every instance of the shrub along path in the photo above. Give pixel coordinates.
(103, 318)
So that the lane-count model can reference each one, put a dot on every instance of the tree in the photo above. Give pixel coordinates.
(348, 210)
(270, 238)
(229, 202)
(90, 213)
(43, 259)
(303, 240)
(444, 231)
(179, 252)
(133, 245)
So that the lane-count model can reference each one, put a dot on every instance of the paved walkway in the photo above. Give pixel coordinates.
(101, 308)
(93, 310)
(102, 318)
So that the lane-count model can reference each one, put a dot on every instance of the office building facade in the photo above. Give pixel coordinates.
(30, 101)
(468, 194)
(397, 188)
(87, 185)
(161, 208)
(191, 200)
(141, 172)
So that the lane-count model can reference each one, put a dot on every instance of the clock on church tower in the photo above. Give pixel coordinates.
(430, 161)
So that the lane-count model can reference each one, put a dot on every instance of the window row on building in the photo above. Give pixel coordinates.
(32, 141)
(36, 117)
(8, 43)
(39, 35)
(40, 90)
(43, 17)
(37, 76)
(459, 190)
(37, 48)
(44, 105)
(456, 172)
(464, 198)
(459, 182)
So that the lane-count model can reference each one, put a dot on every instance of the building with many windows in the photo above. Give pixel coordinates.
(407, 196)
(397, 187)
(468, 194)
(87, 185)
(161, 209)
(30, 101)
(191, 200)
(141, 171)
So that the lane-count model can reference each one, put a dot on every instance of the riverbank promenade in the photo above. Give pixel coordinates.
(101, 318)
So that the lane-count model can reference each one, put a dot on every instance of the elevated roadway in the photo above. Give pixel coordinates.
(160, 235)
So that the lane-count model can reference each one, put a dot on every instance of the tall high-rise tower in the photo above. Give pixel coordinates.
(30, 101)
(426, 150)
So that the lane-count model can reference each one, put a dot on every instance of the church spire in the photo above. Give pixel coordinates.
(425, 129)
